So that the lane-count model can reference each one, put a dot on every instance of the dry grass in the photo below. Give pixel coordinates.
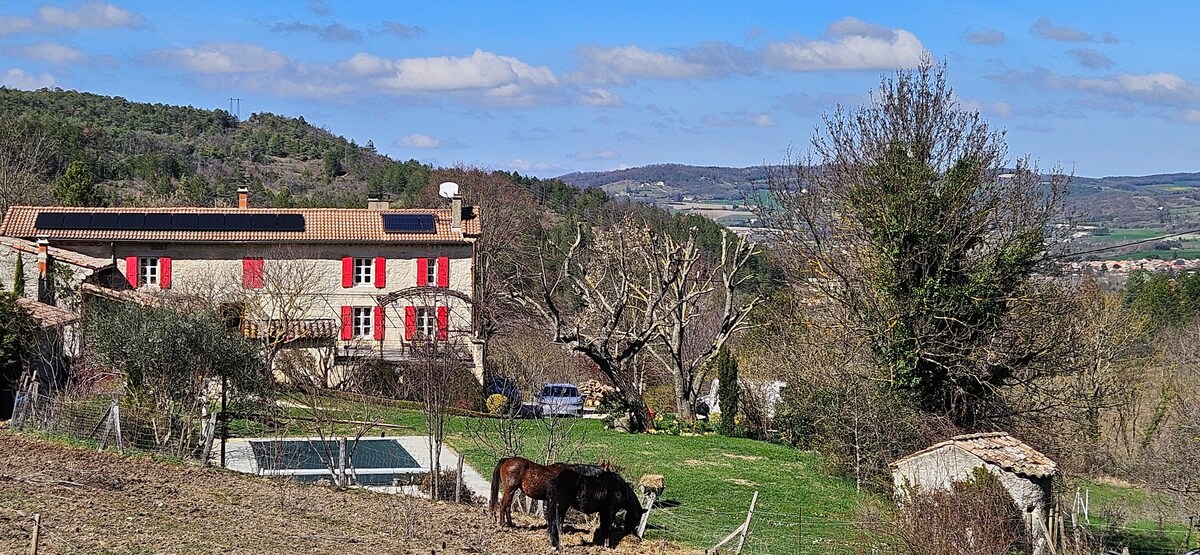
(94, 502)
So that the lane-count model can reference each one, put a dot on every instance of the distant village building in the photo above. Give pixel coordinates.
(378, 282)
(1023, 471)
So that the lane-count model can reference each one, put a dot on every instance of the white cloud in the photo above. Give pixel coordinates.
(334, 32)
(1118, 92)
(480, 71)
(606, 154)
(527, 166)
(11, 25)
(402, 30)
(1192, 116)
(221, 58)
(49, 52)
(17, 78)
(855, 45)
(91, 15)
(740, 118)
(1091, 59)
(600, 97)
(624, 64)
(418, 141)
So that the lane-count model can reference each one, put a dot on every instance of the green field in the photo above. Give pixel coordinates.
(709, 480)
(1146, 522)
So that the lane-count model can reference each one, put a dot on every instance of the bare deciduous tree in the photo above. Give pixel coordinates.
(605, 296)
(24, 148)
(706, 306)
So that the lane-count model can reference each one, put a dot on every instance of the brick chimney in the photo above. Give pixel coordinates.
(243, 197)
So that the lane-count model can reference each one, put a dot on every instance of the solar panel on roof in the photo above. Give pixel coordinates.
(262, 222)
(409, 223)
(237, 222)
(49, 220)
(131, 220)
(183, 222)
(210, 222)
(166, 221)
(103, 220)
(289, 222)
(76, 220)
(158, 221)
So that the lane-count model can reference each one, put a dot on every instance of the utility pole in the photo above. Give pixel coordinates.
(238, 110)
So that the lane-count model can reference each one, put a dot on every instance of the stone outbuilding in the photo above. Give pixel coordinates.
(1023, 471)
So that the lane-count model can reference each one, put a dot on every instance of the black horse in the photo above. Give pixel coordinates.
(606, 494)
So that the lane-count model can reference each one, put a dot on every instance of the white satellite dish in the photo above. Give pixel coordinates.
(448, 189)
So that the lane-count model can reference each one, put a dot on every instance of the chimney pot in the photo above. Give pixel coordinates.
(378, 202)
(243, 197)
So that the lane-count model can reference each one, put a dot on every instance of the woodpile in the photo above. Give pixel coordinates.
(592, 391)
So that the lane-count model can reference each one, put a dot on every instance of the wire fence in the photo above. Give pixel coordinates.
(110, 420)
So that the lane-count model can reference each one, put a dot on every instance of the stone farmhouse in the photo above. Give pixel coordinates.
(339, 284)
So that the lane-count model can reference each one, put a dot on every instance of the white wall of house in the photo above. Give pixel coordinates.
(216, 270)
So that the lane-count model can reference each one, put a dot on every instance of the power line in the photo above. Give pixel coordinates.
(1123, 245)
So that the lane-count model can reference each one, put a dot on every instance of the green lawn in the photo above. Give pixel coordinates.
(709, 481)
(1145, 521)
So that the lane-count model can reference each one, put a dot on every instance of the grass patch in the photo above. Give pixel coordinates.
(1144, 520)
(709, 479)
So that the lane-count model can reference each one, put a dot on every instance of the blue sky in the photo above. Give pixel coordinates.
(546, 88)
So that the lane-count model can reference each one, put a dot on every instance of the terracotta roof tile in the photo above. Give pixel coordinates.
(1000, 449)
(322, 225)
(68, 256)
(47, 316)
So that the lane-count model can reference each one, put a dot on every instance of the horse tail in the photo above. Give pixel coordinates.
(495, 486)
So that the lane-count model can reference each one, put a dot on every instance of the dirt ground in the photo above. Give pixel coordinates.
(94, 503)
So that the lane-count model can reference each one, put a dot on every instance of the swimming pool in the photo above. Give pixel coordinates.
(369, 461)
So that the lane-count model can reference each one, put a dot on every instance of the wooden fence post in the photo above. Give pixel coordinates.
(116, 416)
(37, 532)
(458, 480)
(746, 525)
(341, 477)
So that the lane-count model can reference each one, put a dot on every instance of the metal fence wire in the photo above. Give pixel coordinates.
(112, 421)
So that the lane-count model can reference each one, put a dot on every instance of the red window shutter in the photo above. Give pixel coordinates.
(164, 270)
(252, 273)
(443, 269)
(443, 323)
(379, 323)
(380, 272)
(347, 322)
(410, 322)
(347, 272)
(131, 271)
(422, 272)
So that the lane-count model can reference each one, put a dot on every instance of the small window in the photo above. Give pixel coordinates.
(148, 271)
(431, 271)
(362, 323)
(426, 322)
(364, 271)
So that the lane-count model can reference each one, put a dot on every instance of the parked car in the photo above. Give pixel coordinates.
(559, 399)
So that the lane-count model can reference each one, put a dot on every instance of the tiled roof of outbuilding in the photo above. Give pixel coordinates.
(1000, 449)
(322, 225)
(47, 316)
(64, 255)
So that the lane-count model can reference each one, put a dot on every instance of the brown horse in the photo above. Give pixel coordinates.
(531, 478)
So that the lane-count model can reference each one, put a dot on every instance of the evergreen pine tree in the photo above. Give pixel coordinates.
(19, 277)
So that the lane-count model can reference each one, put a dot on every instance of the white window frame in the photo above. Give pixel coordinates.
(364, 271)
(426, 322)
(362, 322)
(149, 271)
(431, 272)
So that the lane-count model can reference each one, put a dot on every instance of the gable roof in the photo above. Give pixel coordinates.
(1000, 449)
(69, 256)
(47, 316)
(321, 225)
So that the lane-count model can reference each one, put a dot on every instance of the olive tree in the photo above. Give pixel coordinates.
(908, 215)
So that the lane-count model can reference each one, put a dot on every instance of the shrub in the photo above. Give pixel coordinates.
(497, 404)
(975, 517)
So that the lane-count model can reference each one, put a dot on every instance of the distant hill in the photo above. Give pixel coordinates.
(155, 153)
(1118, 201)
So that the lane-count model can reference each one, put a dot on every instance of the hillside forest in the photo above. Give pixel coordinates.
(907, 292)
